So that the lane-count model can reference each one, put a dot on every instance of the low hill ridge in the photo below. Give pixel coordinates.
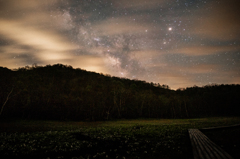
(60, 92)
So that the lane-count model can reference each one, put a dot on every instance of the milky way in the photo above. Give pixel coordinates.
(178, 43)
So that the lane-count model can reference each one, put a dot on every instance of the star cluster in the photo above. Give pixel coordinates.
(173, 42)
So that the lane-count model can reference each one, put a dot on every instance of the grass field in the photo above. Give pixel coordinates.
(150, 138)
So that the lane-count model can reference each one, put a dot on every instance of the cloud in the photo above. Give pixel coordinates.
(15, 55)
(33, 37)
(175, 78)
(11, 62)
(218, 21)
(172, 78)
(125, 38)
(197, 69)
(88, 62)
(26, 4)
(202, 50)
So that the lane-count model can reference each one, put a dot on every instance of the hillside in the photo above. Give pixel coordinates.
(59, 92)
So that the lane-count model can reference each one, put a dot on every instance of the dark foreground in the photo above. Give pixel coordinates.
(116, 139)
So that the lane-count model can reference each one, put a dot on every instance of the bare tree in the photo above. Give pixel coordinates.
(6, 101)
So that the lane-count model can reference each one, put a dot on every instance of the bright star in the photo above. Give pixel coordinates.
(96, 39)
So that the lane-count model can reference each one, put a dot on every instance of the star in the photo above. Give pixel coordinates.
(120, 38)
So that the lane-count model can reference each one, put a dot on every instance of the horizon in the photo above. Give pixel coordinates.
(178, 43)
(109, 75)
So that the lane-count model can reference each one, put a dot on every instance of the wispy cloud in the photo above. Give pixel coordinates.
(201, 50)
(218, 21)
(165, 41)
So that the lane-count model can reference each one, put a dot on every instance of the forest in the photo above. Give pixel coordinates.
(60, 92)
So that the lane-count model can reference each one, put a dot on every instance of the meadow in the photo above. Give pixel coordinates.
(139, 138)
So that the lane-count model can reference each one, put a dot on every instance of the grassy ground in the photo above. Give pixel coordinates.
(113, 139)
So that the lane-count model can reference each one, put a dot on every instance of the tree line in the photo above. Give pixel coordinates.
(59, 92)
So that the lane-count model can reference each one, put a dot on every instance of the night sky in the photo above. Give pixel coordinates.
(180, 43)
